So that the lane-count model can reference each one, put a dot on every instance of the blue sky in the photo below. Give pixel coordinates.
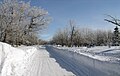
(86, 13)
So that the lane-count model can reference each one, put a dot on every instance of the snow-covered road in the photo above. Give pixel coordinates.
(51, 61)
(81, 65)
(43, 65)
(74, 66)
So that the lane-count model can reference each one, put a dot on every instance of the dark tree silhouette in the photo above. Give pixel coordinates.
(113, 20)
(116, 38)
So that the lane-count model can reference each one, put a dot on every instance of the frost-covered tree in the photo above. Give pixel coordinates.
(116, 34)
(61, 37)
(19, 19)
(83, 37)
(72, 32)
(109, 38)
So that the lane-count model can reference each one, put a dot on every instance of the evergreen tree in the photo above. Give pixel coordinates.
(116, 38)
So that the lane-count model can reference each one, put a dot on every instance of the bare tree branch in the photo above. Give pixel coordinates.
(113, 20)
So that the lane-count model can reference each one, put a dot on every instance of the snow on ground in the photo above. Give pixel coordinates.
(44, 65)
(84, 64)
(14, 61)
(29, 61)
(103, 53)
(60, 61)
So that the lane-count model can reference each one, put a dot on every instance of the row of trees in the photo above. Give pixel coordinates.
(74, 36)
(20, 22)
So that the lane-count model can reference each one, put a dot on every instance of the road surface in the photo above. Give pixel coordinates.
(43, 65)
(50, 62)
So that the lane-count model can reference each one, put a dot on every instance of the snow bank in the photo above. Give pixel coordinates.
(14, 61)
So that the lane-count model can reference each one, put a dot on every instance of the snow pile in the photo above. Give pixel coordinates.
(14, 61)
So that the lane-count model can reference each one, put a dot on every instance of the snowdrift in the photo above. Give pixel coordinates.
(14, 61)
